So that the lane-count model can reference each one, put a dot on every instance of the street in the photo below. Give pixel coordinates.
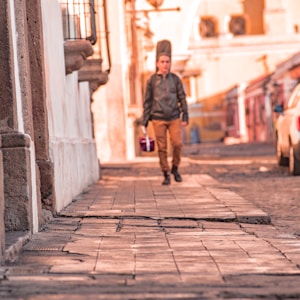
(228, 231)
(252, 172)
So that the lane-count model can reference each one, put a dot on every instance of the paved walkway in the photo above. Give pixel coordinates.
(132, 238)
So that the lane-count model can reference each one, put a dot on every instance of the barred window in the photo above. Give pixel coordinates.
(79, 20)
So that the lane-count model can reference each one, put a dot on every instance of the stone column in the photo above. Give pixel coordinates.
(8, 112)
(17, 146)
(4, 118)
(17, 182)
(39, 108)
(2, 226)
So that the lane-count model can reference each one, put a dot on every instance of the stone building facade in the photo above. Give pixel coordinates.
(47, 149)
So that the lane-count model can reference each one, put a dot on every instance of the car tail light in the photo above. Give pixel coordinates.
(298, 123)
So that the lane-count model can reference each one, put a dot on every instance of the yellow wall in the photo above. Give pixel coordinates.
(208, 115)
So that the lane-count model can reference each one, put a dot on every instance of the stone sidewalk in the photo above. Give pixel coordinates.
(197, 197)
(132, 238)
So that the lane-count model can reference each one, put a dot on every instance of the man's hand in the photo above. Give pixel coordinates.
(184, 123)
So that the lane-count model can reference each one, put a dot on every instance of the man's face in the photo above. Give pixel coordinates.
(163, 64)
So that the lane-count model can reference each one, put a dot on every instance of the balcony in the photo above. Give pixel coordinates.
(81, 40)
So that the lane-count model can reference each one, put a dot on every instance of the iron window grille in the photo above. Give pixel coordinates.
(79, 20)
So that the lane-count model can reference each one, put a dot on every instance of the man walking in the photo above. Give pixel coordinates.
(165, 106)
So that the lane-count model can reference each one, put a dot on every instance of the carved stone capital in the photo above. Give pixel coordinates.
(14, 139)
(76, 53)
(92, 72)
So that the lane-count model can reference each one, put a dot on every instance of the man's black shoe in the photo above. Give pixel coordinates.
(167, 179)
(177, 176)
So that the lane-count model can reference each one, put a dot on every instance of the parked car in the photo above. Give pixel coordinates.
(288, 133)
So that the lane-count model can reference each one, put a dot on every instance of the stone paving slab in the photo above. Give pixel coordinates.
(135, 239)
(197, 197)
(103, 260)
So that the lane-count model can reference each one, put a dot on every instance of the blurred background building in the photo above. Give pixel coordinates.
(219, 47)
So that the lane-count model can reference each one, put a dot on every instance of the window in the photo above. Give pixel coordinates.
(79, 20)
(207, 27)
(237, 25)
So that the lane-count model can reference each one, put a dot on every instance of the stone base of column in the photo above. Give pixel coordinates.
(46, 169)
(18, 184)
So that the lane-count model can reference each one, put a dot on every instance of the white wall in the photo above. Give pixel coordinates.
(111, 101)
(224, 68)
(293, 7)
(172, 25)
(72, 148)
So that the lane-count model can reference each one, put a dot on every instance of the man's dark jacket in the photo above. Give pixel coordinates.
(165, 99)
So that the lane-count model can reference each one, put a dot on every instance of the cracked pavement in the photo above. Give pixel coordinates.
(129, 237)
